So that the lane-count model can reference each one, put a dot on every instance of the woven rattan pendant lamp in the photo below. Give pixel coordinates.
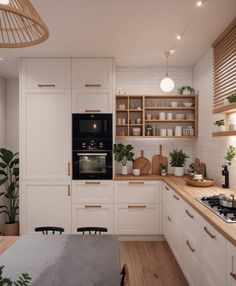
(20, 24)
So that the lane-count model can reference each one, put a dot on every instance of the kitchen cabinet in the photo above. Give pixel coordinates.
(137, 207)
(45, 73)
(92, 73)
(45, 203)
(231, 265)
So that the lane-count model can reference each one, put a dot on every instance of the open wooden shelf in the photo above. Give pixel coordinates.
(224, 133)
(229, 108)
(169, 108)
(169, 121)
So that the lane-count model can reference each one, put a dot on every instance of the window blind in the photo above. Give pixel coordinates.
(224, 53)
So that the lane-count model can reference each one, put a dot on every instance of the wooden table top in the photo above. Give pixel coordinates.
(6, 242)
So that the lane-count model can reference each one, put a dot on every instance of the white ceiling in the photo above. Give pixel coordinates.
(135, 32)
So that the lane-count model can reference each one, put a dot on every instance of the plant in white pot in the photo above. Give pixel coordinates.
(178, 160)
(9, 179)
(123, 154)
(220, 125)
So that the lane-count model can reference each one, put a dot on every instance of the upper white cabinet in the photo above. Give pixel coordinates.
(231, 265)
(92, 73)
(45, 134)
(46, 73)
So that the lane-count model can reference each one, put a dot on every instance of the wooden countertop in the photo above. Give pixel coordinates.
(6, 242)
(190, 195)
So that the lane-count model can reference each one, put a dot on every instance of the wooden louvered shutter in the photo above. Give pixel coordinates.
(224, 49)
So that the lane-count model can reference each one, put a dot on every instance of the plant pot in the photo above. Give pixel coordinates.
(178, 171)
(221, 128)
(186, 92)
(11, 229)
(124, 170)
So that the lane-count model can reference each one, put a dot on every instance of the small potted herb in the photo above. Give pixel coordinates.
(178, 160)
(232, 97)
(123, 154)
(220, 124)
(186, 89)
(163, 170)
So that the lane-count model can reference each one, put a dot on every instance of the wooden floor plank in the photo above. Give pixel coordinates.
(151, 264)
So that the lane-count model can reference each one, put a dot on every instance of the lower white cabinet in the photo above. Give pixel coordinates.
(45, 204)
(92, 215)
(231, 265)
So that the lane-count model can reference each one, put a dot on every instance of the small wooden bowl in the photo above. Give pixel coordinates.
(205, 183)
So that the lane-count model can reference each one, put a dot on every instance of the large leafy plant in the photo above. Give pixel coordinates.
(178, 158)
(9, 178)
(123, 153)
(23, 279)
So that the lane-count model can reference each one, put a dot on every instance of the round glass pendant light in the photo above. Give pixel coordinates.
(167, 84)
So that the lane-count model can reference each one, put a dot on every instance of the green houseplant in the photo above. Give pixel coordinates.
(22, 280)
(178, 160)
(186, 89)
(9, 179)
(123, 154)
(220, 124)
(232, 97)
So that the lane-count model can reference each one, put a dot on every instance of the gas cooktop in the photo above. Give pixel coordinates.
(213, 203)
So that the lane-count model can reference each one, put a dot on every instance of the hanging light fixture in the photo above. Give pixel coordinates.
(20, 24)
(167, 84)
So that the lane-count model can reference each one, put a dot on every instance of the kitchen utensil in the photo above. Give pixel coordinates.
(142, 163)
(203, 183)
(197, 165)
(203, 169)
(157, 160)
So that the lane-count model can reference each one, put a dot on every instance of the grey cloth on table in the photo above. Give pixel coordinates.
(65, 260)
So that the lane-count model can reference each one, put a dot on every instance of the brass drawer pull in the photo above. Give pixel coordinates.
(136, 183)
(68, 167)
(69, 192)
(46, 85)
(209, 233)
(189, 246)
(94, 206)
(137, 207)
(169, 219)
(233, 275)
(177, 198)
(189, 214)
(167, 188)
(92, 110)
(92, 183)
(92, 85)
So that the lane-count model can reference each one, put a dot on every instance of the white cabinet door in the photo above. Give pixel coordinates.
(100, 192)
(137, 219)
(45, 134)
(92, 101)
(231, 265)
(90, 73)
(45, 204)
(92, 215)
(46, 72)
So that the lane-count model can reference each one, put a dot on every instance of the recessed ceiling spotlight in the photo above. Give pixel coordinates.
(172, 51)
(4, 2)
(199, 3)
(178, 37)
(1, 59)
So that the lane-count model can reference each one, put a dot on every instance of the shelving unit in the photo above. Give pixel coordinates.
(140, 110)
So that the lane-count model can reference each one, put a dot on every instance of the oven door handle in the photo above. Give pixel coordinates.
(89, 154)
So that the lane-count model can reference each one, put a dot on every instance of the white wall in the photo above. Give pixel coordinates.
(12, 115)
(208, 149)
(147, 81)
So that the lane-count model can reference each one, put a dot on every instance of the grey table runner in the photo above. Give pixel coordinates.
(65, 260)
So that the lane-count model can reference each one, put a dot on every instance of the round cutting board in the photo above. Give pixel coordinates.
(142, 164)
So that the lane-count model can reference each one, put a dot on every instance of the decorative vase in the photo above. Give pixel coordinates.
(221, 128)
(124, 170)
(11, 229)
(178, 171)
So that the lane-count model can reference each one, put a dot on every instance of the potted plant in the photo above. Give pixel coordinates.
(9, 178)
(186, 89)
(232, 97)
(23, 279)
(123, 154)
(178, 160)
(220, 124)
(163, 170)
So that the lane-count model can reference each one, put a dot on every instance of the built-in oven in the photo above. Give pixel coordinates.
(92, 146)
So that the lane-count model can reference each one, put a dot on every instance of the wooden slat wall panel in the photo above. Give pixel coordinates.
(224, 65)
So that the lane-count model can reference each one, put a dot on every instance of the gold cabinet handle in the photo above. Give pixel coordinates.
(189, 214)
(209, 233)
(232, 272)
(189, 246)
(167, 188)
(92, 110)
(92, 85)
(69, 192)
(136, 183)
(177, 198)
(46, 85)
(92, 183)
(169, 219)
(92, 206)
(137, 207)
(68, 168)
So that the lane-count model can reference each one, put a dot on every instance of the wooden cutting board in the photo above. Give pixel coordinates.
(157, 161)
(142, 164)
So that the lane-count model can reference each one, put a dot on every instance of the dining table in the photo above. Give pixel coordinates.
(64, 260)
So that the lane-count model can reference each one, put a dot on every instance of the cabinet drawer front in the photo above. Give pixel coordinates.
(92, 101)
(92, 73)
(46, 73)
(137, 192)
(137, 219)
(92, 215)
(92, 192)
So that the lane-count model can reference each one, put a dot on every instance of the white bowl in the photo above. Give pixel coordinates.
(136, 172)
(187, 104)
(179, 116)
(174, 104)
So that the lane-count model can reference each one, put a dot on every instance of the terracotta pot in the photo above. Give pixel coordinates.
(11, 229)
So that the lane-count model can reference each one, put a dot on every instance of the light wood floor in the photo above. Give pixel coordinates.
(151, 264)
